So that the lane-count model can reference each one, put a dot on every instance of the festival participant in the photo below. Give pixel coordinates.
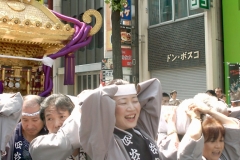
(172, 127)
(120, 123)
(165, 98)
(168, 138)
(173, 124)
(10, 113)
(109, 128)
(217, 138)
(173, 100)
(29, 128)
(55, 109)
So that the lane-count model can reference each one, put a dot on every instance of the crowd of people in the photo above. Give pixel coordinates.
(120, 121)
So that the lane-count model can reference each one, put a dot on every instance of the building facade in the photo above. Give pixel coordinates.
(179, 46)
(87, 59)
(94, 62)
(183, 47)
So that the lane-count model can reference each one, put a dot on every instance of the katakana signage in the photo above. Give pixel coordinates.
(177, 45)
(183, 57)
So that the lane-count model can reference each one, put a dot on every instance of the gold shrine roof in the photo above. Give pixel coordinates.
(34, 29)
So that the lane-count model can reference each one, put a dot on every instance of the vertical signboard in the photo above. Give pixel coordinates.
(233, 81)
(126, 38)
(126, 57)
(106, 73)
(126, 12)
(205, 4)
(196, 4)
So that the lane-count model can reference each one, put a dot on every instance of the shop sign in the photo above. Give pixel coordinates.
(185, 56)
(125, 25)
(107, 75)
(126, 37)
(126, 57)
(196, 4)
(107, 63)
(205, 4)
(125, 14)
(234, 81)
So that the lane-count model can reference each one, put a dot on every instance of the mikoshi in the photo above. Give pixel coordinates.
(31, 38)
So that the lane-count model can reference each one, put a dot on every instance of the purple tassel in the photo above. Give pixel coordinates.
(69, 70)
(1, 87)
(80, 39)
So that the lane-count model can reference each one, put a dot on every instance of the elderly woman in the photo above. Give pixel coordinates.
(217, 138)
(112, 122)
(120, 123)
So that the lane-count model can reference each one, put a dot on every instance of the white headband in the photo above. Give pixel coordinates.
(31, 114)
(126, 89)
(236, 101)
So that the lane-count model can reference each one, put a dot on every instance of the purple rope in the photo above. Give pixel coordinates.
(85, 35)
(45, 71)
(80, 39)
(71, 49)
(74, 21)
(48, 90)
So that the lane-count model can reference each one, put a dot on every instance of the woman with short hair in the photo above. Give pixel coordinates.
(217, 138)
(213, 133)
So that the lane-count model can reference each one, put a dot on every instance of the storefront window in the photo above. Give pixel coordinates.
(166, 10)
(153, 12)
(162, 10)
(181, 9)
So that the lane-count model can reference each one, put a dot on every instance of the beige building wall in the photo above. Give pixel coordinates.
(213, 45)
(144, 74)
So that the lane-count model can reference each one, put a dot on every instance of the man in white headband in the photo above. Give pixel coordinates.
(29, 128)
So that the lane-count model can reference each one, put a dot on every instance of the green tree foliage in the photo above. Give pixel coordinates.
(116, 4)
